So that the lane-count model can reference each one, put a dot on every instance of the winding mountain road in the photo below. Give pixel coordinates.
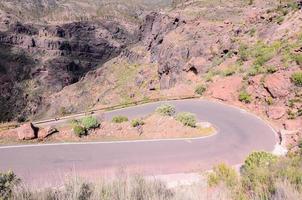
(239, 133)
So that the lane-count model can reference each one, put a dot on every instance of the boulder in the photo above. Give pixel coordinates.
(44, 133)
(275, 112)
(277, 85)
(27, 132)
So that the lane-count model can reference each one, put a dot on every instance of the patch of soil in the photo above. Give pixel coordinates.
(155, 127)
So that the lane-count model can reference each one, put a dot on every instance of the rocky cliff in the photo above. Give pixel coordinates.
(39, 60)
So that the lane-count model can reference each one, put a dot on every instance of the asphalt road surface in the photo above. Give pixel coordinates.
(239, 133)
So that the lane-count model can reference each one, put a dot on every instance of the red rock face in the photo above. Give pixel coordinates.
(293, 124)
(275, 112)
(278, 85)
(225, 89)
(26, 132)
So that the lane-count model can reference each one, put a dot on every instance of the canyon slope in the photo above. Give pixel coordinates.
(241, 53)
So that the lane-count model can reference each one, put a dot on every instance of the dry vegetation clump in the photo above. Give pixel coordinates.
(263, 176)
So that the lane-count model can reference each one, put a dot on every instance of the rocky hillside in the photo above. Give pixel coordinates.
(57, 11)
(38, 60)
(247, 53)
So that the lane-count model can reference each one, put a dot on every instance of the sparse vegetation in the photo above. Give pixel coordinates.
(120, 119)
(229, 71)
(187, 119)
(166, 110)
(137, 122)
(90, 122)
(200, 89)
(245, 97)
(297, 78)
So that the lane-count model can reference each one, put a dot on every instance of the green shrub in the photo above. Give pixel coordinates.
(7, 182)
(297, 78)
(187, 119)
(223, 174)
(119, 119)
(256, 172)
(79, 131)
(200, 89)
(90, 122)
(298, 59)
(269, 101)
(271, 69)
(258, 159)
(166, 110)
(245, 97)
(291, 114)
(137, 122)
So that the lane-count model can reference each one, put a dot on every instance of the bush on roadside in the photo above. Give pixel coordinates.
(187, 119)
(297, 78)
(119, 119)
(137, 122)
(79, 131)
(263, 176)
(258, 159)
(200, 89)
(7, 182)
(90, 122)
(245, 97)
(222, 173)
(256, 173)
(166, 110)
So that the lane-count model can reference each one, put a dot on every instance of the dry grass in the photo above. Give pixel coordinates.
(124, 188)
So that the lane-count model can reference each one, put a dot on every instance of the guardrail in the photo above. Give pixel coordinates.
(109, 108)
